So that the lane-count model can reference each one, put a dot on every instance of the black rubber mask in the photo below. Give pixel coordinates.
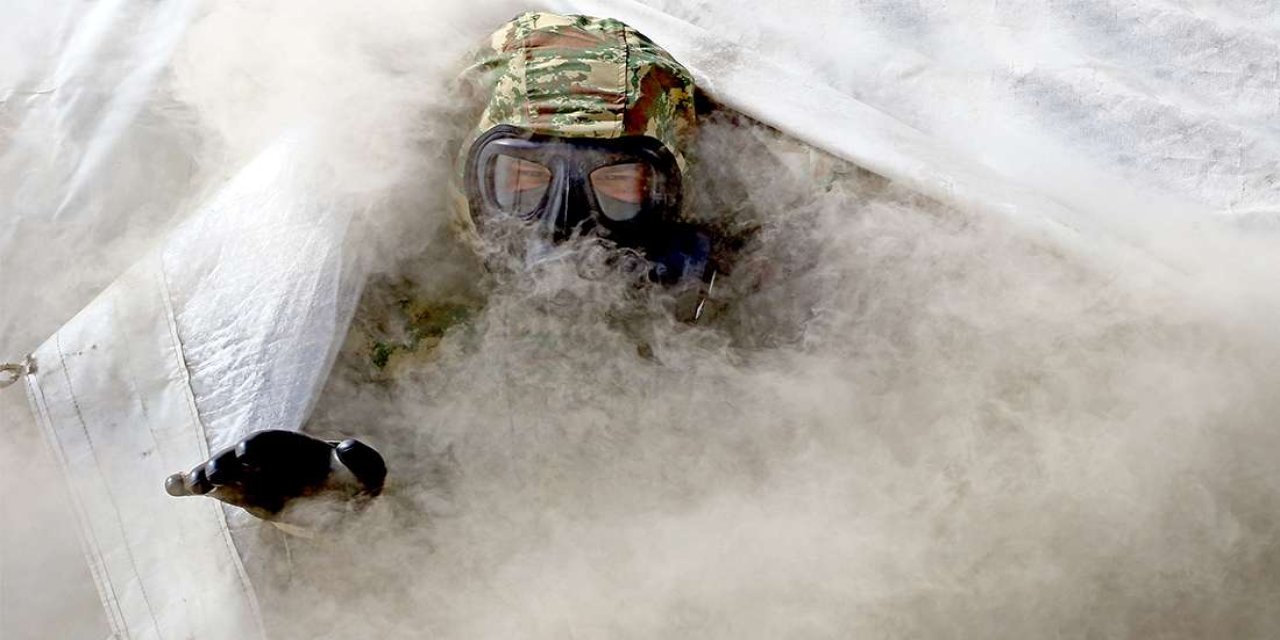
(624, 189)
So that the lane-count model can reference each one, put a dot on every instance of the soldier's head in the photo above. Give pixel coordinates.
(583, 134)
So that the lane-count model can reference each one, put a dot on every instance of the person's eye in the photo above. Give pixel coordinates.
(626, 182)
(518, 185)
(515, 174)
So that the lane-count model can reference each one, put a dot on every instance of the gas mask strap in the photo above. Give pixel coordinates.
(706, 293)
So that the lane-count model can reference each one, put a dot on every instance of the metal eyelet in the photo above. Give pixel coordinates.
(11, 373)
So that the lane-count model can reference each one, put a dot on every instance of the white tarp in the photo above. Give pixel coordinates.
(182, 356)
(112, 391)
(1110, 130)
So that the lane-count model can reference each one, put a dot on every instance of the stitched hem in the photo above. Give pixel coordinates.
(89, 544)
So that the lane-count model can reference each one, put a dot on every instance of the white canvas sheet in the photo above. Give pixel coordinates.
(1090, 125)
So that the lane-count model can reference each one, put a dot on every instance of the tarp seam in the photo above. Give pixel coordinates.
(88, 541)
(106, 489)
(203, 440)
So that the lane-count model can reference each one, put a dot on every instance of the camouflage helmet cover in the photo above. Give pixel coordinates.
(578, 76)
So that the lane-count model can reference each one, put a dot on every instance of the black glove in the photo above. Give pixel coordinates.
(268, 469)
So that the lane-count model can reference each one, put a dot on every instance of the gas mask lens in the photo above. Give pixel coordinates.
(621, 189)
(519, 185)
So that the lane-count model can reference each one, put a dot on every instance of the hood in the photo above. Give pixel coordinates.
(576, 76)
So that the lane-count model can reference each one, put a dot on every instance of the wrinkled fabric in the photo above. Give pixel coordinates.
(1073, 119)
(583, 77)
(112, 391)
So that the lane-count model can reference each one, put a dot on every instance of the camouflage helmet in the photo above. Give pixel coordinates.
(578, 77)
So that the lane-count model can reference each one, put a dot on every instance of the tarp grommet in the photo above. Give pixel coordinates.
(10, 373)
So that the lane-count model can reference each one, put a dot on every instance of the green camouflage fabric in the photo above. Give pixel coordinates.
(578, 76)
(571, 76)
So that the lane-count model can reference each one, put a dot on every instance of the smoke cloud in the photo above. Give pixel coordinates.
(896, 419)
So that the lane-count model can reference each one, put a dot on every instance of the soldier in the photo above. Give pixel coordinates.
(583, 135)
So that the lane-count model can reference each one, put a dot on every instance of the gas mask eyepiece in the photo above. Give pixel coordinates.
(625, 189)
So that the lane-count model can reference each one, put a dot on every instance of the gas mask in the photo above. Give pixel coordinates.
(626, 190)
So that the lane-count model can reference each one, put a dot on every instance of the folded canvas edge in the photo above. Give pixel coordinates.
(49, 377)
(203, 440)
(88, 544)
